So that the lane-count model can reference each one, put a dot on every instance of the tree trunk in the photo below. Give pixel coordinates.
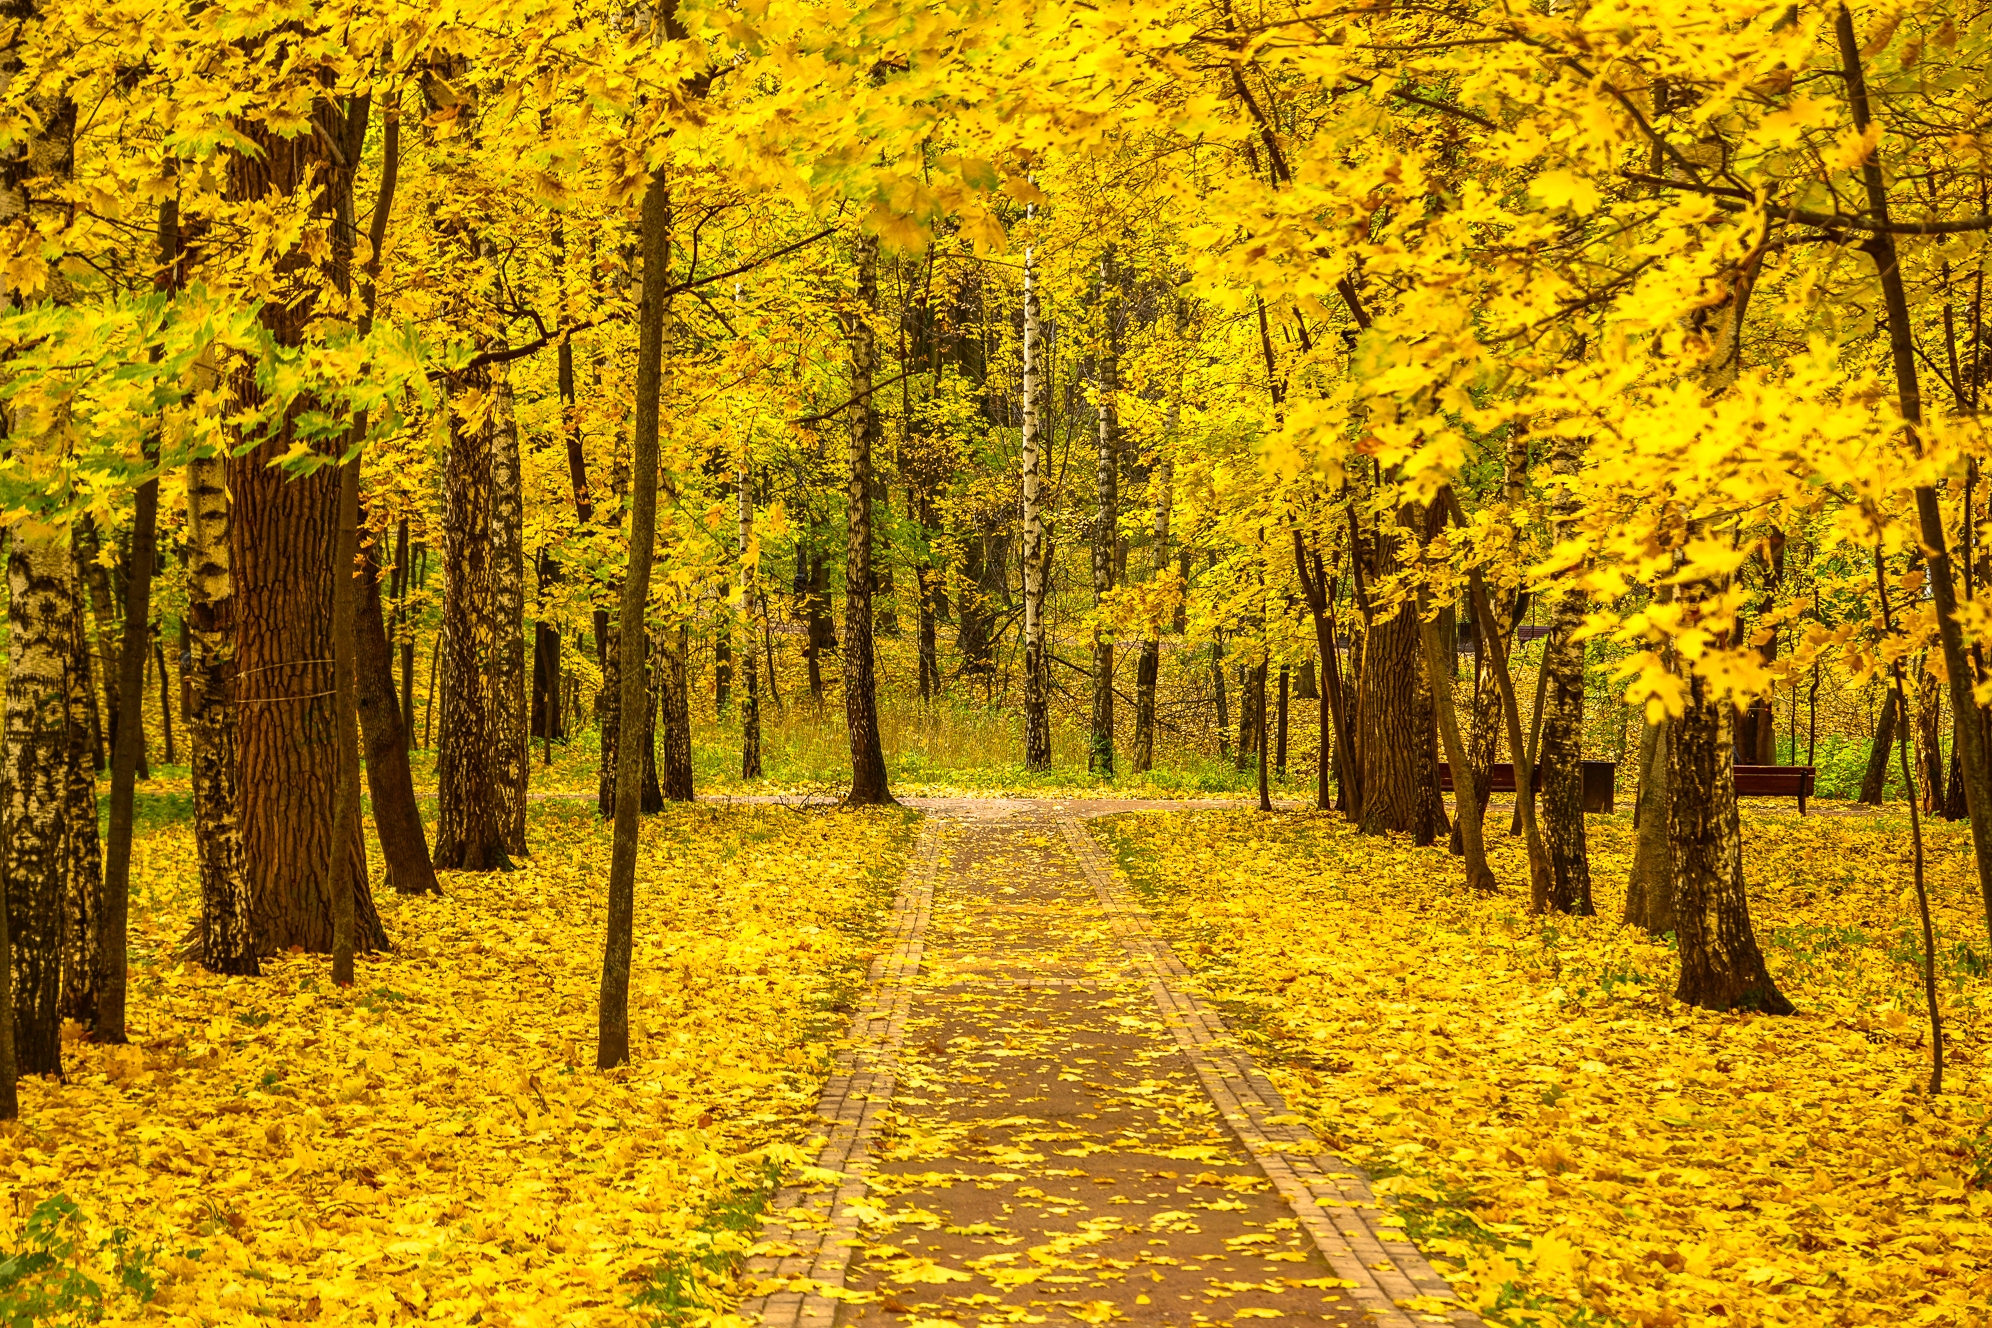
(1106, 520)
(127, 751)
(1259, 705)
(165, 700)
(612, 1031)
(1874, 780)
(1395, 748)
(1037, 717)
(1929, 740)
(282, 532)
(1721, 967)
(1973, 756)
(45, 732)
(674, 764)
(1561, 765)
(404, 845)
(83, 884)
(1148, 671)
(868, 782)
(1217, 687)
(472, 809)
(228, 943)
(342, 882)
(820, 632)
(1649, 894)
(103, 622)
(750, 680)
(1280, 752)
(511, 742)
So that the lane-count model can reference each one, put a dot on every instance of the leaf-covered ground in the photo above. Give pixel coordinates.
(434, 1143)
(1579, 1147)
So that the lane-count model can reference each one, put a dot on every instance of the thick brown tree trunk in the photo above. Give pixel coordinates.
(281, 532)
(868, 781)
(1721, 966)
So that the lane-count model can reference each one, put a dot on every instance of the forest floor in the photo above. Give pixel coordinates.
(1564, 1143)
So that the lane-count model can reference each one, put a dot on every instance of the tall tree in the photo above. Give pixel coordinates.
(510, 715)
(282, 532)
(1037, 675)
(1106, 515)
(1561, 767)
(868, 780)
(612, 1031)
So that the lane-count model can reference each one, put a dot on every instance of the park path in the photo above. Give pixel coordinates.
(1037, 1121)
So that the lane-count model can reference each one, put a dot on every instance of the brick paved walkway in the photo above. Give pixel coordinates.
(1038, 1122)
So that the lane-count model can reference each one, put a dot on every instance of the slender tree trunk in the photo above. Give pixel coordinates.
(126, 752)
(1649, 894)
(1561, 769)
(1468, 821)
(1875, 778)
(1280, 752)
(868, 781)
(96, 578)
(1106, 519)
(42, 730)
(340, 882)
(1217, 687)
(1962, 678)
(83, 883)
(1721, 967)
(612, 1036)
(1259, 705)
(165, 698)
(227, 934)
(750, 681)
(404, 845)
(511, 741)
(1148, 671)
(1037, 717)
(1929, 740)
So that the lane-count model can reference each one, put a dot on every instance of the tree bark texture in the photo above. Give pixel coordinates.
(228, 942)
(83, 876)
(1561, 754)
(1037, 715)
(868, 782)
(1148, 668)
(1106, 519)
(1395, 749)
(750, 673)
(1721, 966)
(512, 741)
(281, 532)
(43, 739)
(472, 809)
(674, 763)
(1649, 894)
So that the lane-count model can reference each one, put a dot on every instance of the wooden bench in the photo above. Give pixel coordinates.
(1776, 781)
(1600, 781)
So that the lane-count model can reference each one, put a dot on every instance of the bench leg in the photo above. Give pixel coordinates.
(1801, 804)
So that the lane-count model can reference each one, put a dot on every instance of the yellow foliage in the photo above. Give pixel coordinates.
(435, 1143)
(1562, 1134)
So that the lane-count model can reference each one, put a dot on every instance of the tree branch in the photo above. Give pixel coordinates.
(1736, 200)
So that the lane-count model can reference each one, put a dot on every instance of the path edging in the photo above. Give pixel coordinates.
(808, 1239)
(1331, 1199)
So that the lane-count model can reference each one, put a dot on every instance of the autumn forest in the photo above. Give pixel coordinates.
(939, 665)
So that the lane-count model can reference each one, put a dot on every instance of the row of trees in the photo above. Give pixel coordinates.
(1299, 339)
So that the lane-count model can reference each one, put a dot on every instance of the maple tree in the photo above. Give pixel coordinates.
(667, 384)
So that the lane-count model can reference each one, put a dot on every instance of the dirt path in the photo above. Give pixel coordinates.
(1071, 1136)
